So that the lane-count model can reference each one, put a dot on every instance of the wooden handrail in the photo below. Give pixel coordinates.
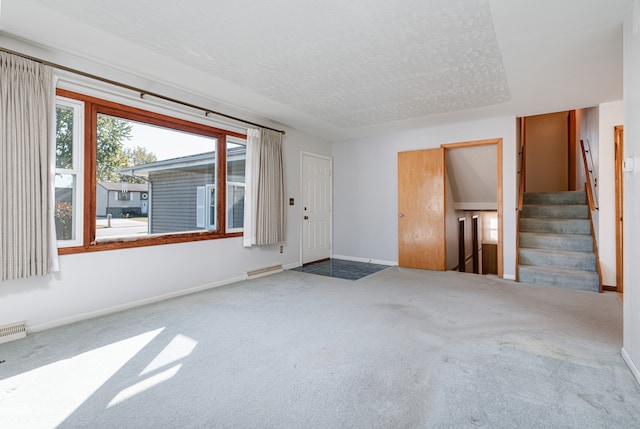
(592, 208)
(587, 172)
(522, 165)
(520, 194)
(521, 188)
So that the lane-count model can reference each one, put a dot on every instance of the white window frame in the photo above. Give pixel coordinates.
(203, 207)
(77, 170)
(209, 203)
(243, 142)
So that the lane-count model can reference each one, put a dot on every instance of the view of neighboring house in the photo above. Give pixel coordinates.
(182, 191)
(122, 199)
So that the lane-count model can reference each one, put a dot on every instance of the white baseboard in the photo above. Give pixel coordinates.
(292, 265)
(632, 366)
(372, 261)
(129, 305)
(509, 277)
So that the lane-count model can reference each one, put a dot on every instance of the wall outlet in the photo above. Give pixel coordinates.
(281, 249)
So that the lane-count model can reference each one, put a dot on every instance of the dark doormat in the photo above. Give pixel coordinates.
(339, 268)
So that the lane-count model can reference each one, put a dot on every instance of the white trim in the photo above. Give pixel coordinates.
(292, 265)
(239, 142)
(130, 305)
(367, 260)
(632, 366)
(76, 170)
(509, 277)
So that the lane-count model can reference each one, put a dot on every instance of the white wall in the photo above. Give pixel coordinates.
(589, 133)
(631, 347)
(95, 283)
(366, 186)
(597, 126)
(610, 115)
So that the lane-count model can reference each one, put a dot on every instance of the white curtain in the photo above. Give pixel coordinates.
(252, 167)
(26, 126)
(270, 209)
(264, 192)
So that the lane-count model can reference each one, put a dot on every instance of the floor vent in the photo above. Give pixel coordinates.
(12, 332)
(260, 272)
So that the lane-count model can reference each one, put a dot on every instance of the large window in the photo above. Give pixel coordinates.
(148, 178)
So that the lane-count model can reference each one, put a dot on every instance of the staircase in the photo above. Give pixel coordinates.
(556, 246)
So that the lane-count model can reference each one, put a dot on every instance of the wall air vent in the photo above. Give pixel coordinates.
(260, 272)
(12, 332)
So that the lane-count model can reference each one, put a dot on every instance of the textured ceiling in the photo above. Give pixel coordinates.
(351, 63)
(340, 69)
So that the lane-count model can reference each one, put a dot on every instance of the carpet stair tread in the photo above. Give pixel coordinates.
(585, 261)
(542, 240)
(559, 277)
(568, 197)
(565, 211)
(554, 225)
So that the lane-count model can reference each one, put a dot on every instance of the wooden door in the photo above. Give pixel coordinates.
(421, 209)
(619, 195)
(316, 208)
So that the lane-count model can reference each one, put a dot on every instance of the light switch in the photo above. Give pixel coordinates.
(630, 165)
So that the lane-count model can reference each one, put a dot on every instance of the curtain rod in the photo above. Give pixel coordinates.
(135, 89)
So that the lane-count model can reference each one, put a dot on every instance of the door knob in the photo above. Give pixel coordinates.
(400, 214)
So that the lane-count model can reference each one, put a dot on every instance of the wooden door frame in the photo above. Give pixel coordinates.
(301, 212)
(498, 143)
(619, 195)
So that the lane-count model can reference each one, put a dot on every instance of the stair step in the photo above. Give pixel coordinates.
(557, 211)
(568, 197)
(583, 261)
(571, 242)
(556, 226)
(558, 277)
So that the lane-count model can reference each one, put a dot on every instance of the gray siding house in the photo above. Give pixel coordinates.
(182, 191)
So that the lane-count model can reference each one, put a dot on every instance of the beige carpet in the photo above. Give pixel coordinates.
(398, 349)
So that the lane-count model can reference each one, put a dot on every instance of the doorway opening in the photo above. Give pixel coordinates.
(438, 186)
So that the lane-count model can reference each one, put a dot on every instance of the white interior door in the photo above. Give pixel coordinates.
(316, 208)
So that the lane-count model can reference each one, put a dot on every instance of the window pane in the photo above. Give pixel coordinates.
(64, 137)
(236, 155)
(148, 179)
(235, 206)
(65, 213)
(490, 227)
